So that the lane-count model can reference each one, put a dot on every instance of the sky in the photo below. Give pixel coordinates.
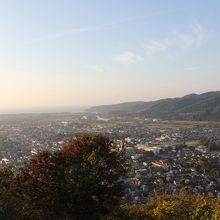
(56, 54)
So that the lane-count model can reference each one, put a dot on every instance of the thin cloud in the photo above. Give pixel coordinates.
(154, 46)
(186, 40)
(192, 68)
(95, 68)
(68, 32)
(202, 67)
(127, 57)
(73, 31)
(200, 35)
(196, 37)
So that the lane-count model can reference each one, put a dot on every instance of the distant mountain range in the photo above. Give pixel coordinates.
(204, 107)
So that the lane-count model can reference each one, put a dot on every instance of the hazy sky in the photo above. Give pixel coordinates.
(88, 52)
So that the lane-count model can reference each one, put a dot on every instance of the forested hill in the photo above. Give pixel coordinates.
(205, 106)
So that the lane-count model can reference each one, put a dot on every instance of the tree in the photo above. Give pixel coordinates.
(82, 179)
(7, 198)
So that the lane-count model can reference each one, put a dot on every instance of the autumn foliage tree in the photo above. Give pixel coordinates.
(7, 199)
(82, 180)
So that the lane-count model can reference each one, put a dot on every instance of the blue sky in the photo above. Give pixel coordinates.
(89, 52)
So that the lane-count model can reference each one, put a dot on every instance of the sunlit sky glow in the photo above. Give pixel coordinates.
(89, 52)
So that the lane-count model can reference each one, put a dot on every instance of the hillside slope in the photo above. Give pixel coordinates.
(205, 106)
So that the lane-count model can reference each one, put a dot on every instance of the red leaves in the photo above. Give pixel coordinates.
(79, 178)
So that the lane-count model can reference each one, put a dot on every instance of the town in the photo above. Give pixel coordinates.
(164, 156)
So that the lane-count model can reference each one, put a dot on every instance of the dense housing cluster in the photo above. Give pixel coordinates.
(164, 155)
